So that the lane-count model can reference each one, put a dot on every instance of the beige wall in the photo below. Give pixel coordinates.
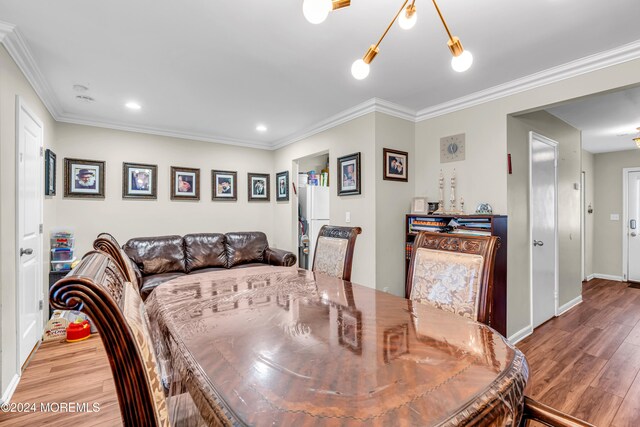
(607, 254)
(357, 135)
(133, 218)
(12, 84)
(569, 243)
(482, 176)
(588, 167)
(393, 202)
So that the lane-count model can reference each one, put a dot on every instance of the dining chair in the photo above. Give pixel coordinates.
(98, 288)
(334, 251)
(107, 243)
(541, 413)
(453, 272)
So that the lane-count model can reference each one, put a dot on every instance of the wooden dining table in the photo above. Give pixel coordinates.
(282, 346)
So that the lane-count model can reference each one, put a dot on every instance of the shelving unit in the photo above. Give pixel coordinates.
(478, 225)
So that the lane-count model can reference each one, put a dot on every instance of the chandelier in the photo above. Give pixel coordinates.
(316, 11)
(637, 139)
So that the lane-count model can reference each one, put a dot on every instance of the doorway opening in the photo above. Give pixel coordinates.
(313, 203)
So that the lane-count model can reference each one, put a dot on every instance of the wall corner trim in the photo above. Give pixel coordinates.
(520, 335)
(11, 388)
(568, 306)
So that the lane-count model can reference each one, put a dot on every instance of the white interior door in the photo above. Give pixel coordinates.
(29, 134)
(633, 216)
(543, 209)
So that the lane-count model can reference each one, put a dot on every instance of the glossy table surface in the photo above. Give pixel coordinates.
(282, 346)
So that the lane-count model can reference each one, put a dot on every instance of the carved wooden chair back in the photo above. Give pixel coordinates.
(98, 288)
(107, 243)
(453, 273)
(334, 251)
(541, 413)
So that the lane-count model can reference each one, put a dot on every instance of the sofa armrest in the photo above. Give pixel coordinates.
(279, 257)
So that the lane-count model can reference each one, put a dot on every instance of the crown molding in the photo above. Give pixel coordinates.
(608, 58)
(77, 120)
(370, 106)
(17, 47)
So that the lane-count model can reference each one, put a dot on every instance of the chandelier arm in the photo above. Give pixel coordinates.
(391, 24)
(446, 27)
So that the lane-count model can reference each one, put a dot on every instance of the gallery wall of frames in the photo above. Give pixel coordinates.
(84, 178)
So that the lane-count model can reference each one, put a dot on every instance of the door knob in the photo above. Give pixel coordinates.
(634, 234)
(538, 243)
(27, 251)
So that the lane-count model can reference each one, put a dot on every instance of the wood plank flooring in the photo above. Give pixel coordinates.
(67, 372)
(586, 362)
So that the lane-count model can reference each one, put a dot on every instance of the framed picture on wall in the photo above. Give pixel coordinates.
(49, 173)
(139, 181)
(84, 178)
(224, 185)
(258, 187)
(349, 175)
(396, 163)
(185, 183)
(282, 186)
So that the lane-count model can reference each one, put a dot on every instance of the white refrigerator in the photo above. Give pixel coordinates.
(314, 207)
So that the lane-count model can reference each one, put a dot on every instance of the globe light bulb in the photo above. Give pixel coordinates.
(407, 22)
(462, 62)
(360, 69)
(316, 11)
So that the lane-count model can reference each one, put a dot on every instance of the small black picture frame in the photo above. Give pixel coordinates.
(50, 170)
(185, 183)
(282, 186)
(349, 175)
(396, 165)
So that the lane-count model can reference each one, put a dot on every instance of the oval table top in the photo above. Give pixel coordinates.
(285, 346)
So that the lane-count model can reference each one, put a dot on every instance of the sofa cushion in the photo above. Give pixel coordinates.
(157, 255)
(149, 283)
(244, 248)
(204, 250)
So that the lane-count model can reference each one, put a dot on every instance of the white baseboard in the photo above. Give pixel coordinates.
(6, 396)
(568, 306)
(591, 277)
(520, 335)
(607, 277)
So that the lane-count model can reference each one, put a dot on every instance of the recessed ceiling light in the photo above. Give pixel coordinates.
(133, 105)
(261, 128)
(85, 98)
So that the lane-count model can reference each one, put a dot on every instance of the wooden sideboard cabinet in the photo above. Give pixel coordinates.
(488, 225)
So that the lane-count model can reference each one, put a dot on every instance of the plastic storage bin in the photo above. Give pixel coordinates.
(62, 265)
(61, 254)
(62, 242)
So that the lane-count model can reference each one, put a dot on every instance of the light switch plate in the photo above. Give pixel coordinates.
(347, 217)
(615, 217)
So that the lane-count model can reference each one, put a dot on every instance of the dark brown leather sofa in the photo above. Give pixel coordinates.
(159, 259)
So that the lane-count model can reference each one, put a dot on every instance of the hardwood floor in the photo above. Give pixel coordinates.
(67, 372)
(586, 362)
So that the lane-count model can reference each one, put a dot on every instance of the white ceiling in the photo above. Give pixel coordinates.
(215, 68)
(608, 121)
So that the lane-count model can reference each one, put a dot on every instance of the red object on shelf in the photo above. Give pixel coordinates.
(78, 330)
